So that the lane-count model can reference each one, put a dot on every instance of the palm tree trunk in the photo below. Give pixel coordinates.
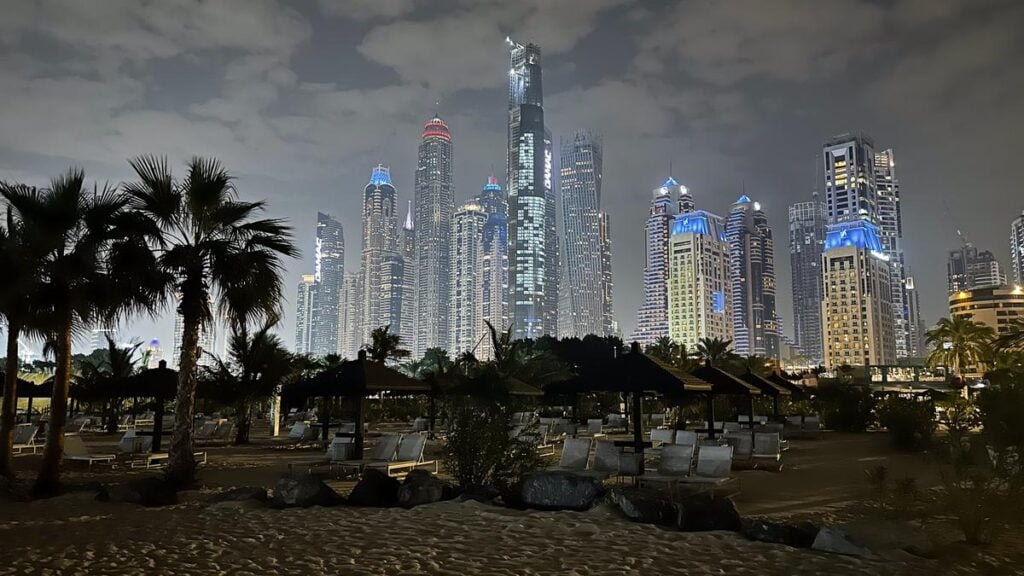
(181, 467)
(48, 481)
(10, 408)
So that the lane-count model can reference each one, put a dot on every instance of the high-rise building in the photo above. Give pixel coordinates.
(918, 347)
(494, 264)
(153, 355)
(329, 277)
(752, 275)
(611, 327)
(850, 191)
(890, 227)
(467, 299)
(652, 318)
(100, 335)
(1017, 248)
(969, 268)
(407, 249)
(533, 242)
(352, 318)
(998, 307)
(856, 306)
(434, 203)
(585, 305)
(207, 343)
(699, 290)
(379, 245)
(304, 297)
(806, 242)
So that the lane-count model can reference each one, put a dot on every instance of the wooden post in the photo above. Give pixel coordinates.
(326, 413)
(751, 410)
(358, 449)
(433, 413)
(775, 406)
(158, 424)
(711, 416)
(638, 433)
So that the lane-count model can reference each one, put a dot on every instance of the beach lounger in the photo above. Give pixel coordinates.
(662, 436)
(381, 452)
(714, 465)
(734, 427)
(607, 459)
(575, 454)
(25, 439)
(74, 449)
(673, 466)
(595, 426)
(742, 444)
(408, 456)
(767, 445)
(206, 430)
(130, 443)
(657, 420)
(340, 449)
(159, 460)
(686, 437)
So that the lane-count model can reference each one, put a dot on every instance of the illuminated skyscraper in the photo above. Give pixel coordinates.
(494, 266)
(652, 318)
(329, 277)
(379, 246)
(856, 306)
(466, 308)
(806, 243)
(586, 308)
(752, 274)
(1017, 248)
(407, 249)
(850, 191)
(699, 290)
(969, 268)
(352, 316)
(890, 227)
(533, 242)
(208, 341)
(918, 346)
(433, 205)
(304, 313)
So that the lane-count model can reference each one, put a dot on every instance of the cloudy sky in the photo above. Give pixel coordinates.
(301, 99)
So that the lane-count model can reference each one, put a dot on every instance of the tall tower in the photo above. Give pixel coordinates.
(850, 179)
(890, 227)
(380, 239)
(918, 346)
(407, 249)
(329, 278)
(433, 204)
(752, 274)
(969, 268)
(856, 306)
(466, 309)
(533, 242)
(494, 265)
(304, 314)
(352, 318)
(699, 289)
(1017, 248)
(652, 318)
(584, 244)
(806, 243)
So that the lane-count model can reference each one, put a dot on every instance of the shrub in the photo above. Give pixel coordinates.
(480, 449)
(911, 424)
(897, 498)
(999, 409)
(958, 416)
(846, 408)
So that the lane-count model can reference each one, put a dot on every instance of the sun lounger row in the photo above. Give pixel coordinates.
(25, 439)
(394, 454)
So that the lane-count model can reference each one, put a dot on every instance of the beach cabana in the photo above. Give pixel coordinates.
(29, 390)
(724, 384)
(767, 388)
(797, 391)
(160, 384)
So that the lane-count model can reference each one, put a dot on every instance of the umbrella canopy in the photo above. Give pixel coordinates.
(359, 377)
(27, 389)
(766, 386)
(160, 383)
(724, 383)
(635, 372)
(793, 387)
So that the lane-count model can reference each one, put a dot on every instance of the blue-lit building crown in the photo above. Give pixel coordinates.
(698, 222)
(381, 175)
(857, 233)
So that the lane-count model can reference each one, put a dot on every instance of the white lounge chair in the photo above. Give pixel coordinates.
(686, 437)
(673, 466)
(734, 427)
(657, 420)
(25, 439)
(131, 443)
(408, 456)
(742, 444)
(767, 445)
(607, 459)
(381, 452)
(662, 436)
(340, 448)
(575, 454)
(206, 430)
(74, 449)
(595, 426)
(714, 465)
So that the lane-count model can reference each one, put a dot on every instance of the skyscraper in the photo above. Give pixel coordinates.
(969, 268)
(856, 306)
(1017, 248)
(466, 308)
(652, 318)
(494, 266)
(752, 276)
(850, 183)
(304, 314)
(918, 347)
(329, 277)
(890, 227)
(699, 290)
(407, 249)
(806, 243)
(208, 344)
(434, 202)
(379, 244)
(352, 318)
(533, 242)
(585, 249)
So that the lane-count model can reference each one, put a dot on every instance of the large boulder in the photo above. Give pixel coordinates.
(242, 494)
(375, 489)
(647, 507)
(834, 540)
(704, 512)
(561, 490)
(799, 535)
(302, 492)
(875, 537)
(146, 491)
(422, 487)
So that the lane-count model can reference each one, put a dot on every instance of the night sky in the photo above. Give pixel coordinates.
(301, 99)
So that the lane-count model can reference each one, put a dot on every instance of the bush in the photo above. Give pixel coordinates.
(846, 408)
(999, 409)
(911, 424)
(480, 451)
(958, 416)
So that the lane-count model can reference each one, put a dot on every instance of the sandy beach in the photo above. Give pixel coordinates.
(74, 534)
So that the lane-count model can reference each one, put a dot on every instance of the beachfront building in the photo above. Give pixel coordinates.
(652, 318)
(407, 249)
(806, 242)
(329, 279)
(968, 268)
(378, 265)
(889, 219)
(466, 307)
(994, 306)
(699, 299)
(856, 306)
(850, 185)
(1017, 249)
(494, 264)
(304, 313)
(918, 346)
(752, 277)
(352, 316)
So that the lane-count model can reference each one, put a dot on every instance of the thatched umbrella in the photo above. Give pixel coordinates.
(160, 384)
(797, 390)
(30, 390)
(723, 384)
(768, 388)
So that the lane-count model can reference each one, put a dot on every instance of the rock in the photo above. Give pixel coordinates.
(422, 487)
(703, 512)
(834, 540)
(257, 493)
(561, 490)
(647, 507)
(880, 536)
(147, 491)
(482, 494)
(800, 535)
(375, 489)
(302, 492)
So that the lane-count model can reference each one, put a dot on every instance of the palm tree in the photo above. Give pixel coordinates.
(715, 350)
(215, 250)
(116, 364)
(1013, 338)
(20, 250)
(256, 367)
(521, 360)
(958, 343)
(385, 346)
(664, 348)
(96, 268)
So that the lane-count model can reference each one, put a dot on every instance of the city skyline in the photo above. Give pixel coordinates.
(316, 111)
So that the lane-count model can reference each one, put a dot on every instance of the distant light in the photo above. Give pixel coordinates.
(757, 205)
